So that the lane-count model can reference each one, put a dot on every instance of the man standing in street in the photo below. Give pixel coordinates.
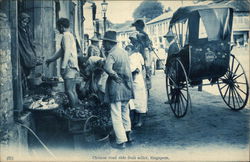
(118, 88)
(173, 49)
(69, 62)
(145, 47)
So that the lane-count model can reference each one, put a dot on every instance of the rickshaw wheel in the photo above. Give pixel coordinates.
(89, 134)
(177, 87)
(233, 86)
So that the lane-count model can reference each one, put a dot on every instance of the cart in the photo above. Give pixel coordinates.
(203, 36)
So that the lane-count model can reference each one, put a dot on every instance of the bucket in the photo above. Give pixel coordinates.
(36, 80)
(160, 64)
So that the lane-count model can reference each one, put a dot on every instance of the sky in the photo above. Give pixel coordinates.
(120, 11)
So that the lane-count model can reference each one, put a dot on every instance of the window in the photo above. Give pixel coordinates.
(202, 30)
(217, 23)
(160, 39)
(155, 40)
(181, 32)
(160, 29)
(236, 19)
(246, 20)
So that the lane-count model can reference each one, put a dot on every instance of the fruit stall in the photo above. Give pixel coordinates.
(48, 103)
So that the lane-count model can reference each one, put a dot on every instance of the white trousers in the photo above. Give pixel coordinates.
(121, 120)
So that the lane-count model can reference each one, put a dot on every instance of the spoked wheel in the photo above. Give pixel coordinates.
(177, 87)
(88, 130)
(233, 86)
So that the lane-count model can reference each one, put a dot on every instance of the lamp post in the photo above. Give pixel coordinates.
(104, 10)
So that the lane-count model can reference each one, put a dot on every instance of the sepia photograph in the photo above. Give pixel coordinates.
(124, 80)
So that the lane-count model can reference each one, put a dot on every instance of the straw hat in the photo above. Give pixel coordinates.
(110, 36)
(94, 38)
(169, 36)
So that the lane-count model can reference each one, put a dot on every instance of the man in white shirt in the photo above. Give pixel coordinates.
(69, 62)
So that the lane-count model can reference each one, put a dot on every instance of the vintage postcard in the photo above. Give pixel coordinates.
(124, 80)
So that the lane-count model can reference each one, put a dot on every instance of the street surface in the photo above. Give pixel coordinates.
(209, 131)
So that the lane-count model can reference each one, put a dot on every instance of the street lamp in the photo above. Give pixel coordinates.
(104, 10)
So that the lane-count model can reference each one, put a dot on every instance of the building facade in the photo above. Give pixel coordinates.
(157, 28)
(241, 28)
(124, 34)
(43, 14)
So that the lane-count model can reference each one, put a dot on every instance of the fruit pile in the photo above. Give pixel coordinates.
(77, 113)
(61, 98)
(104, 118)
(85, 110)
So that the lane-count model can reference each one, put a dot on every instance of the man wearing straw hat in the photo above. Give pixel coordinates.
(118, 88)
(173, 48)
(94, 49)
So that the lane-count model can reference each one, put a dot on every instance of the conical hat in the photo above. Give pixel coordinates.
(94, 38)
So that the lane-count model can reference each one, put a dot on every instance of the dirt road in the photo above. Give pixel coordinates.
(210, 131)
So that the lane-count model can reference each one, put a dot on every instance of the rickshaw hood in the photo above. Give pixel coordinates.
(183, 12)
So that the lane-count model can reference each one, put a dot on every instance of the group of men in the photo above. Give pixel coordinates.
(119, 84)
(118, 89)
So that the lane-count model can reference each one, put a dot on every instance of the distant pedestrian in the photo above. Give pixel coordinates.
(119, 88)
(173, 49)
(86, 44)
(140, 102)
(93, 49)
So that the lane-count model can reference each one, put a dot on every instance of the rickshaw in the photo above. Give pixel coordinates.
(203, 36)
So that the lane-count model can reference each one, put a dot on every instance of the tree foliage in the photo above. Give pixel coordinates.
(148, 9)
